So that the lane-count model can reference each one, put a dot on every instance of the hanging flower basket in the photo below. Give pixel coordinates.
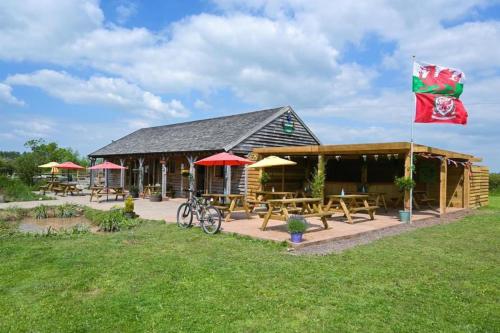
(185, 172)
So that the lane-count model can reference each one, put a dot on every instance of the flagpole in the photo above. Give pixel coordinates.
(411, 150)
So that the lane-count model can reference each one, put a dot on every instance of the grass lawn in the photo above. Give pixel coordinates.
(159, 278)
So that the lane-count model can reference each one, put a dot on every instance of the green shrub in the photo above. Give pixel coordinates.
(264, 178)
(16, 190)
(41, 212)
(317, 183)
(67, 210)
(129, 205)
(297, 225)
(404, 183)
(495, 182)
(110, 221)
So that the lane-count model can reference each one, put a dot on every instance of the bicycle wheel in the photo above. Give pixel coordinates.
(211, 220)
(184, 216)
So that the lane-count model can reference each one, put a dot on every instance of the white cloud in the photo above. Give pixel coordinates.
(202, 105)
(32, 127)
(125, 10)
(98, 90)
(7, 97)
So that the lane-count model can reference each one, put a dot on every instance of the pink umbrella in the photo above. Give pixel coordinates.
(107, 166)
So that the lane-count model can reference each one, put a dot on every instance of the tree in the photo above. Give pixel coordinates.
(40, 153)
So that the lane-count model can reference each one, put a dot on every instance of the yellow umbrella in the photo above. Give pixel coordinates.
(272, 161)
(53, 167)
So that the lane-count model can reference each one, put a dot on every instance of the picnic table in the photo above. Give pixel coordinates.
(261, 198)
(228, 203)
(348, 204)
(100, 191)
(150, 189)
(65, 188)
(420, 197)
(378, 198)
(280, 209)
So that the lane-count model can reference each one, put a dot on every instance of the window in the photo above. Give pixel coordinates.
(171, 166)
(219, 171)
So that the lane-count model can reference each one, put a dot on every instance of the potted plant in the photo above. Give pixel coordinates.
(155, 197)
(134, 191)
(128, 210)
(264, 179)
(297, 225)
(404, 184)
(317, 183)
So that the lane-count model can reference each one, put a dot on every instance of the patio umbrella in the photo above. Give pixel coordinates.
(53, 168)
(273, 161)
(224, 159)
(107, 166)
(70, 166)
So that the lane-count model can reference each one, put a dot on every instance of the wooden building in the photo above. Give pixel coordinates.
(448, 178)
(165, 155)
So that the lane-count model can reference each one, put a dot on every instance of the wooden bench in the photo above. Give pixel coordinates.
(369, 209)
(59, 189)
(43, 189)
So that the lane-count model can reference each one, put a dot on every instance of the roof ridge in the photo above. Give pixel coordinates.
(214, 118)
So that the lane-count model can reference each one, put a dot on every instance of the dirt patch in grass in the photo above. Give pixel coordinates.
(32, 225)
(344, 244)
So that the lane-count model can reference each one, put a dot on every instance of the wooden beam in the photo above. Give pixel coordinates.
(321, 170)
(407, 174)
(443, 175)
(466, 189)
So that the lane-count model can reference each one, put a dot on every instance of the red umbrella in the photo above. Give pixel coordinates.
(70, 166)
(107, 166)
(223, 159)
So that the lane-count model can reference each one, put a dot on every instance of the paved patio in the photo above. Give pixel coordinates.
(276, 230)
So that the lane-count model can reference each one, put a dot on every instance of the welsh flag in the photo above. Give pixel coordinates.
(434, 79)
(433, 108)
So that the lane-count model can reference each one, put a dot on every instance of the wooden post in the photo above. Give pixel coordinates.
(92, 163)
(245, 170)
(364, 174)
(466, 189)
(321, 170)
(141, 174)
(442, 186)
(192, 172)
(407, 175)
(122, 173)
(182, 180)
(164, 170)
(228, 180)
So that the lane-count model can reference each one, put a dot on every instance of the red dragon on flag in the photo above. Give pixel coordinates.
(437, 90)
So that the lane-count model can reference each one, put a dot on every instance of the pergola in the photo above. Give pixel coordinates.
(399, 149)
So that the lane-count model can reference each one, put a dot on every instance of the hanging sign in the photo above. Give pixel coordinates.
(288, 124)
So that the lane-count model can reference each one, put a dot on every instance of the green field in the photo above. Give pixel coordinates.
(158, 278)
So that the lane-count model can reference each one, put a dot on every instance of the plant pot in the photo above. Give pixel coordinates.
(155, 198)
(130, 215)
(296, 237)
(404, 216)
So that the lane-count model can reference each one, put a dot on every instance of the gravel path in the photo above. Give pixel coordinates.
(344, 244)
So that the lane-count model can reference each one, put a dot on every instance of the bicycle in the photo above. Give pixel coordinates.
(208, 216)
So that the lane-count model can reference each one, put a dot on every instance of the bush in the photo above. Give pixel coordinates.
(264, 178)
(404, 183)
(495, 182)
(317, 184)
(110, 221)
(297, 225)
(16, 190)
(12, 214)
(41, 212)
(67, 210)
(129, 205)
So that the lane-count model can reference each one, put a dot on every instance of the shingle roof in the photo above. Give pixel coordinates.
(200, 135)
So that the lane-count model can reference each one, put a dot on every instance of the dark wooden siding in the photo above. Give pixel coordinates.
(272, 135)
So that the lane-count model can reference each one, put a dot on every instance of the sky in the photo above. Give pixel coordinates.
(85, 72)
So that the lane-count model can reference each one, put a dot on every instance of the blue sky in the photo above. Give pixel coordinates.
(83, 73)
